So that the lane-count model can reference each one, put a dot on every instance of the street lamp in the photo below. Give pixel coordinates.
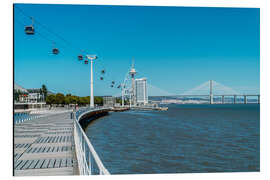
(91, 58)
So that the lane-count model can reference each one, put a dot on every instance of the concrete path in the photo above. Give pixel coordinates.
(45, 146)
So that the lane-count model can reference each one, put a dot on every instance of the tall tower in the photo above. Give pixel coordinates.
(132, 73)
(211, 92)
(141, 91)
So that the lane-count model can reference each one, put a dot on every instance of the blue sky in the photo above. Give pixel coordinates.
(176, 48)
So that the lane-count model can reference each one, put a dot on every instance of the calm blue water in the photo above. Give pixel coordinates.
(184, 139)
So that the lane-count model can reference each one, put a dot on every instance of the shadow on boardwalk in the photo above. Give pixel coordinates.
(45, 146)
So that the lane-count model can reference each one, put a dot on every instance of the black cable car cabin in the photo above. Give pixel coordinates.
(103, 71)
(29, 30)
(80, 57)
(85, 62)
(118, 86)
(113, 82)
(111, 85)
(55, 51)
(101, 78)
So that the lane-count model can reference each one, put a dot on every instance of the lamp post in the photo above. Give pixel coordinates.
(91, 58)
(122, 88)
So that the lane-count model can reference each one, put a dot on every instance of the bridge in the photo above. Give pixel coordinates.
(214, 92)
(56, 144)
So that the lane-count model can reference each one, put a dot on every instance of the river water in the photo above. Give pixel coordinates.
(184, 139)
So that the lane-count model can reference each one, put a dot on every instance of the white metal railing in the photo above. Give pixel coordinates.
(22, 117)
(88, 160)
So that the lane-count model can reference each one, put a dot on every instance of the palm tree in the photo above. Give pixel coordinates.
(44, 91)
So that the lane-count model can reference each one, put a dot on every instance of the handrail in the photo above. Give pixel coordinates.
(24, 116)
(87, 157)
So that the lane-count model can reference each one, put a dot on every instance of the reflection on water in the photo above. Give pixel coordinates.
(186, 138)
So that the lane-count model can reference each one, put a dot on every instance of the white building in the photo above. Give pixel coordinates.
(141, 91)
(108, 101)
(35, 97)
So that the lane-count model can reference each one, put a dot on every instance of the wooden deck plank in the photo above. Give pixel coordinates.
(64, 162)
(51, 164)
(39, 164)
(21, 164)
(17, 163)
(57, 163)
(69, 162)
(34, 163)
(46, 163)
(27, 164)
(43, 146)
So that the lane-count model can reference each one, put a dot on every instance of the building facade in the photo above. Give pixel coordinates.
(22, 95)
(35, 97)
(141, 91)
(109, 101)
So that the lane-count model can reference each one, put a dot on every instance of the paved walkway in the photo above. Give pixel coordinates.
(45, 146)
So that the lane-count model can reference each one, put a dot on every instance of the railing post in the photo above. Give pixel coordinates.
(82, 143)
(234, 99)
(90, 163)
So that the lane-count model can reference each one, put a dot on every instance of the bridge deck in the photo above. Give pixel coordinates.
(45, 146)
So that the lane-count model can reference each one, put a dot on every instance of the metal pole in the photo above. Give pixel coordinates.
(133, 90)
(91, 86)
(129, 100)
(122, 96)
(211, 92)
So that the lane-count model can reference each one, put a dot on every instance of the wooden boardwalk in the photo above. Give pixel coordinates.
(45, 146)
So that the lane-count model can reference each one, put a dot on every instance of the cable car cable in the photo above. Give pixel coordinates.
(55, 34)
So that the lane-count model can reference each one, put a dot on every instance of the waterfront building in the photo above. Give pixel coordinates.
(108, 101)
(34, 95)
(141, 91)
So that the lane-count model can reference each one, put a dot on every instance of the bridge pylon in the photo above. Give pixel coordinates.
(211, 92)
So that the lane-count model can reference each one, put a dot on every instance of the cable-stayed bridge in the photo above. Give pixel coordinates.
(213, 92)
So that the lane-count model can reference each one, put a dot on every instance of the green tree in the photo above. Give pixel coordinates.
(59, 98)
(118, 100)
(98, 100)
(73, 100)
(126, 102)
(17, 94)
(84, 100)
(44, 91)
(67, 99)
(51, 99)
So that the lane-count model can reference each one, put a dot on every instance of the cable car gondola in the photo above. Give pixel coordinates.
(80, 57)
(101, 78)
(29, 30)
(55, 51)
(118, 86)
(85, 62)
(112, 86)
(103, 71)
(113, 82)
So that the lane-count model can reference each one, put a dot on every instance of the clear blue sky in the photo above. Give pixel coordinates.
(176, 48)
